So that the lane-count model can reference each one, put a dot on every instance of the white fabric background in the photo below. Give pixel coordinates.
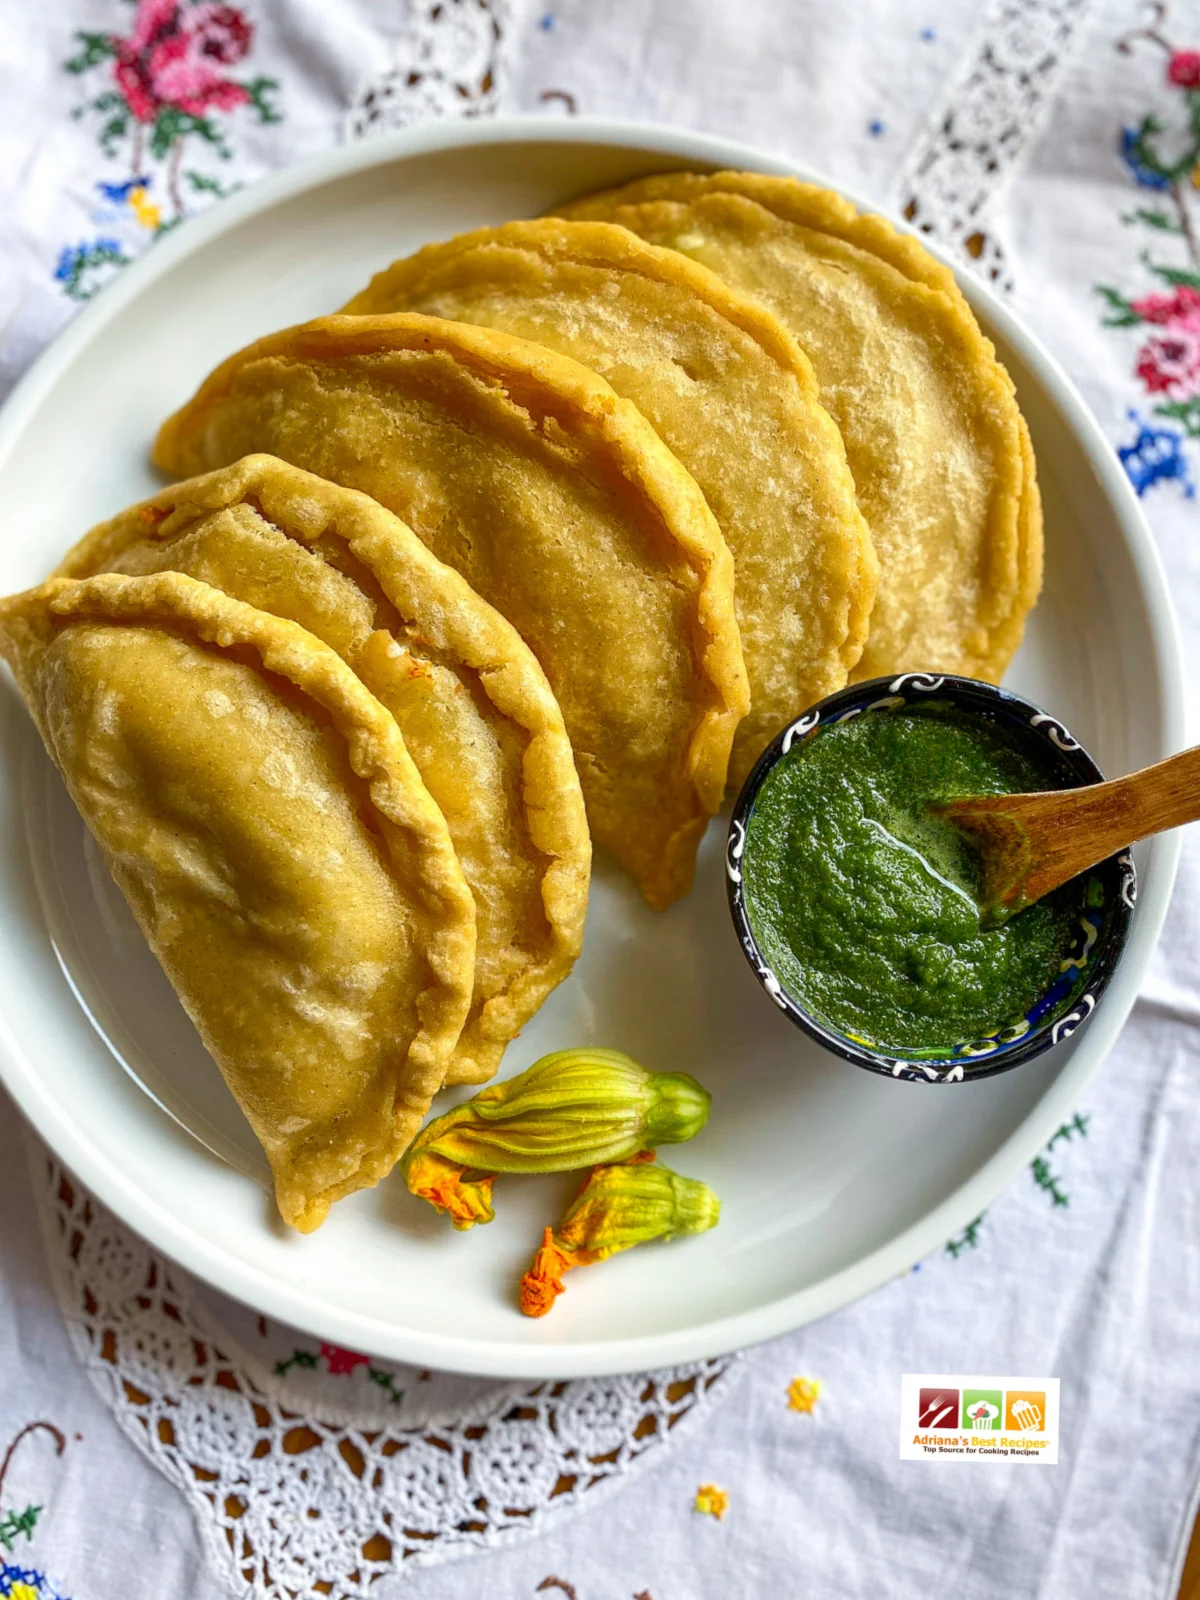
(1105, 1291)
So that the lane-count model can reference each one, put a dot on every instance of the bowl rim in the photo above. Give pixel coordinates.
(1042, 729)
(109, 1179)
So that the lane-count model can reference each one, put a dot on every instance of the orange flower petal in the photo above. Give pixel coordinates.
(542, 1284)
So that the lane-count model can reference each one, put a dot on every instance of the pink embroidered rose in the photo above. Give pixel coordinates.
(183, 75)
(153, 21)
(134, 83)
(1169, 363)
(1184, 69)
(1183, 306)
(175, 56)
(342, 1361)
(223, 32)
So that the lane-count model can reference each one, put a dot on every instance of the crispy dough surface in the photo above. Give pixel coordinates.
(258, 809)
(559, 504)
(474, 707)
(727, 389)
(932, 431)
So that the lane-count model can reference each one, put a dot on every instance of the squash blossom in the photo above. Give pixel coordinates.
(618, 1207)
(575, 1108)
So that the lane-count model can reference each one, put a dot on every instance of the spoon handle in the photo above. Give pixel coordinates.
(1032, 843)
(1163, 796)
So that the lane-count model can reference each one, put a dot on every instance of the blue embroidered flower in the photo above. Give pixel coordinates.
(1156, 454)
(1132, 153)
(77, 262)
(118, 193)
(875, 127)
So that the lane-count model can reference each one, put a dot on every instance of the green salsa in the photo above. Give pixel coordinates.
(864, 904)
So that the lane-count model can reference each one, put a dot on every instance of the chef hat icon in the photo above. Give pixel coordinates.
(982, 1413)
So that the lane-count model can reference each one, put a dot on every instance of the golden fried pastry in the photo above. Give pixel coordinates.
(559, 504)
(259, 811)
(726, 388)
(476, 712)
(940, 456)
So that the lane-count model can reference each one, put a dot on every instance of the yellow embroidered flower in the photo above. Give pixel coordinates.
(618, 1207)
(803, 1394)
(711, 1501)
(144, 209)
(572, 1109)
(22, 1591)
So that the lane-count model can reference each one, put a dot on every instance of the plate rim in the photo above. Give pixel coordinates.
(182, 1243)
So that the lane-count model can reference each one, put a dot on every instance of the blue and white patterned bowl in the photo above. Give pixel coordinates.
(1106, 901)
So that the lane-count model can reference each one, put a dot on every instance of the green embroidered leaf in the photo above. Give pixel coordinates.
(14, 1523)
(1185, 411)
(94, 48)
(171, 124)
(968, 1239)
(1077, 1125)
(260, 90)
(1178, 277)
(1123, 314)
(113, 132)
(75, 265)
(1046, 1178)
(1142, 149)
(201, 183)
(1152, 219)
(164, 133)
(298, 1358)
(386, 1381)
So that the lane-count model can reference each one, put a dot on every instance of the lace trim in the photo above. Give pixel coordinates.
(994, 109)
(293, 1485)
(450, 61)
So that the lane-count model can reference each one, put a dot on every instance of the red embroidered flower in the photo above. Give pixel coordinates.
(174, 57)
(1181, 307)
(183, 75)
(1184, 69)
(134, 83)
(342, 1361)
(223, 32)
(152, 20)
(1170, 362)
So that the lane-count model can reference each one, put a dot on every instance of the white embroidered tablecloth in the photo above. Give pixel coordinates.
(160, 1442)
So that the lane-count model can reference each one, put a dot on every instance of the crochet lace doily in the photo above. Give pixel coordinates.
(448, 62)
(306, 1464)
(994, 107)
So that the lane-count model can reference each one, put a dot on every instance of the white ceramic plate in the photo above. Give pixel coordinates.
(832, 1180)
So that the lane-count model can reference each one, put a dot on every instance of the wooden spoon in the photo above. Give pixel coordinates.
(1029, 844)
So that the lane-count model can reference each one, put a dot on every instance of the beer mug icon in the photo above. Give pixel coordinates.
(1026, 1412)
(1026, 1415)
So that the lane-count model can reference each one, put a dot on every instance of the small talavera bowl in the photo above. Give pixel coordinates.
(1106, 902)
